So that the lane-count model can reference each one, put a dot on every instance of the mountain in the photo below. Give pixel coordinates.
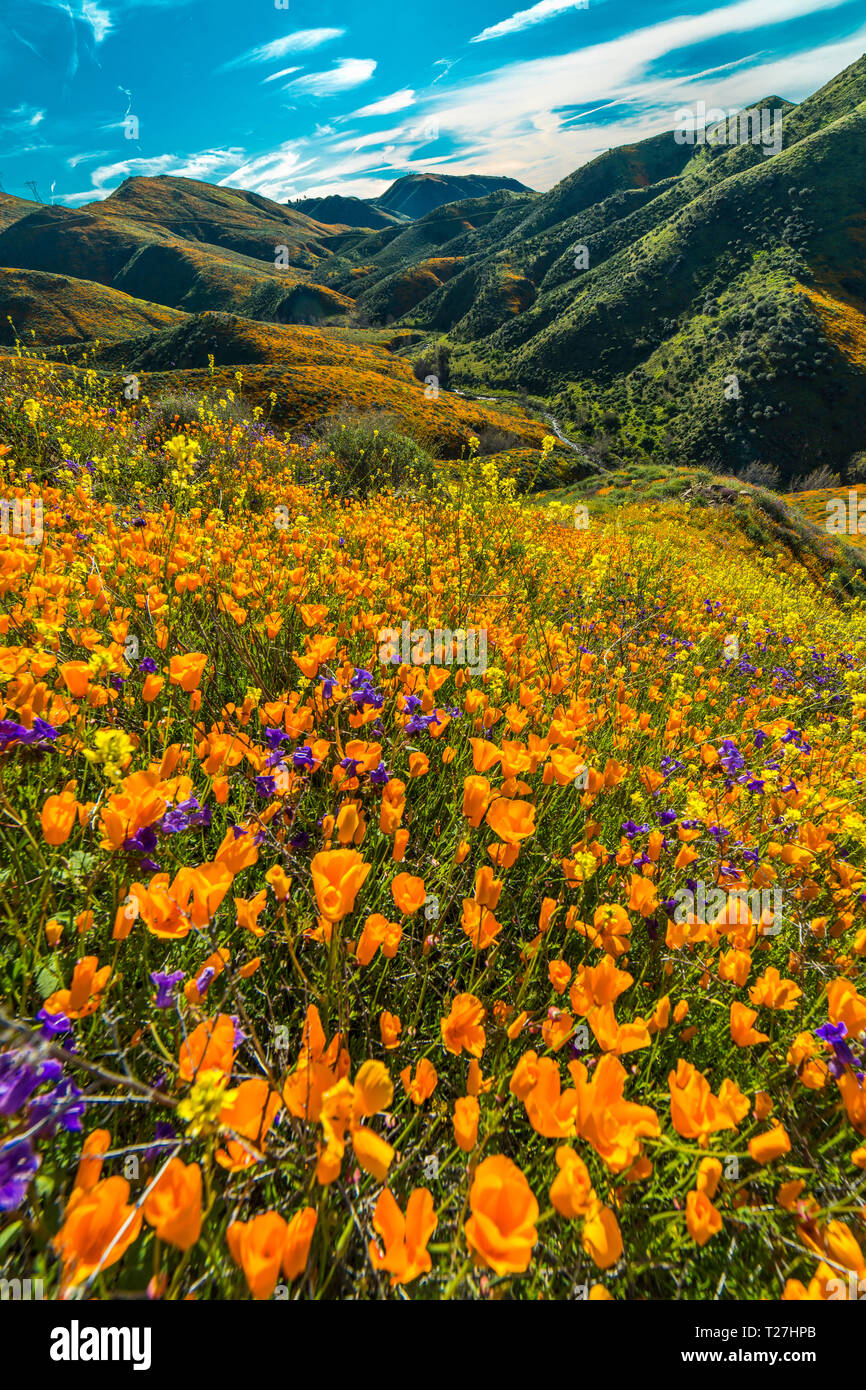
(226, 217)
(59, 309)
(176, 242)
(12, 208)
(346, 212)
(414, 195)
(703, 300)
(301, 374)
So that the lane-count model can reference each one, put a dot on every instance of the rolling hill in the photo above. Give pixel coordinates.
(415, 195)
(715, 312)
(336, 210)
(704, 303)
(176, 242)
(59, 309)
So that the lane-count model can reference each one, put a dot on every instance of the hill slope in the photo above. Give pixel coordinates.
(59, 309)
(414, 195)
(715, 310)
(226, 217)
(336, 210)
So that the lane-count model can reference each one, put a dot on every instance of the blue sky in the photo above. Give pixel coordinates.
(324, 96)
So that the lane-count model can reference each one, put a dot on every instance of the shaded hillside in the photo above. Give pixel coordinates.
(138, 257)
(312, 373)
(12, 208)
(458, 230)
(58, 309)
(706, 300)
(226, 217)
(415, 195)
(336, 210)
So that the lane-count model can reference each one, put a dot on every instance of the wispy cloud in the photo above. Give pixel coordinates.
(85, 158)
(204, 165)
(301, 41)
(98, 19)
(526, 19)
(397, 101)
(349, 73)
(283, 72)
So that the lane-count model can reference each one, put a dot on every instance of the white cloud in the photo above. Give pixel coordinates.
(369, 141)
(345, 188)
(203, 165)
(349, 73)
(495, 116)
(398, 101)
(98, 19)
(301, 41)
(76, 159)
(283, 72)
(525, 19)
(269, 174)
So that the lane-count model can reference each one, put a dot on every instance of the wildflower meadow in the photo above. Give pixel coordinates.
(409, 891)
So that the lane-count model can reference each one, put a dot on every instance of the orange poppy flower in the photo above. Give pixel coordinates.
(209, 1047)
(408, 893)
(771, 991)
(466, 1116)
(299, 1235)
(250, 1113)
(479, 924)
(173, 1206)
(390, 1029)
(642, 896)
(476, 799)
(702, 1218)
(58, 818)
(97, 1143)
(572, 1192)
(695, 1112)
(501, 1231)
(338, 876)
(742, 1032)
(405, 1256)
(378, 931)
(258, 1247)
(420, 1087)
(462, 1026)
(186, 671)
(97, 1231)
(85, 991)
(765, 1147)
(511, 821)
(601, 1237)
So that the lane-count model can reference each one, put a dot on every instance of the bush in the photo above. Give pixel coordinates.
(174, 412)
(812, 482)
(761, 475)
(370, 452)
(495, 441)
(434, 361)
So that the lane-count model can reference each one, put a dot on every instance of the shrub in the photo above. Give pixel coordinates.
(370, 451)
(761, 475)
(812, 482)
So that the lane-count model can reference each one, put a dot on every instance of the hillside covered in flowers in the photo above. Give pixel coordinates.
(408, 891)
